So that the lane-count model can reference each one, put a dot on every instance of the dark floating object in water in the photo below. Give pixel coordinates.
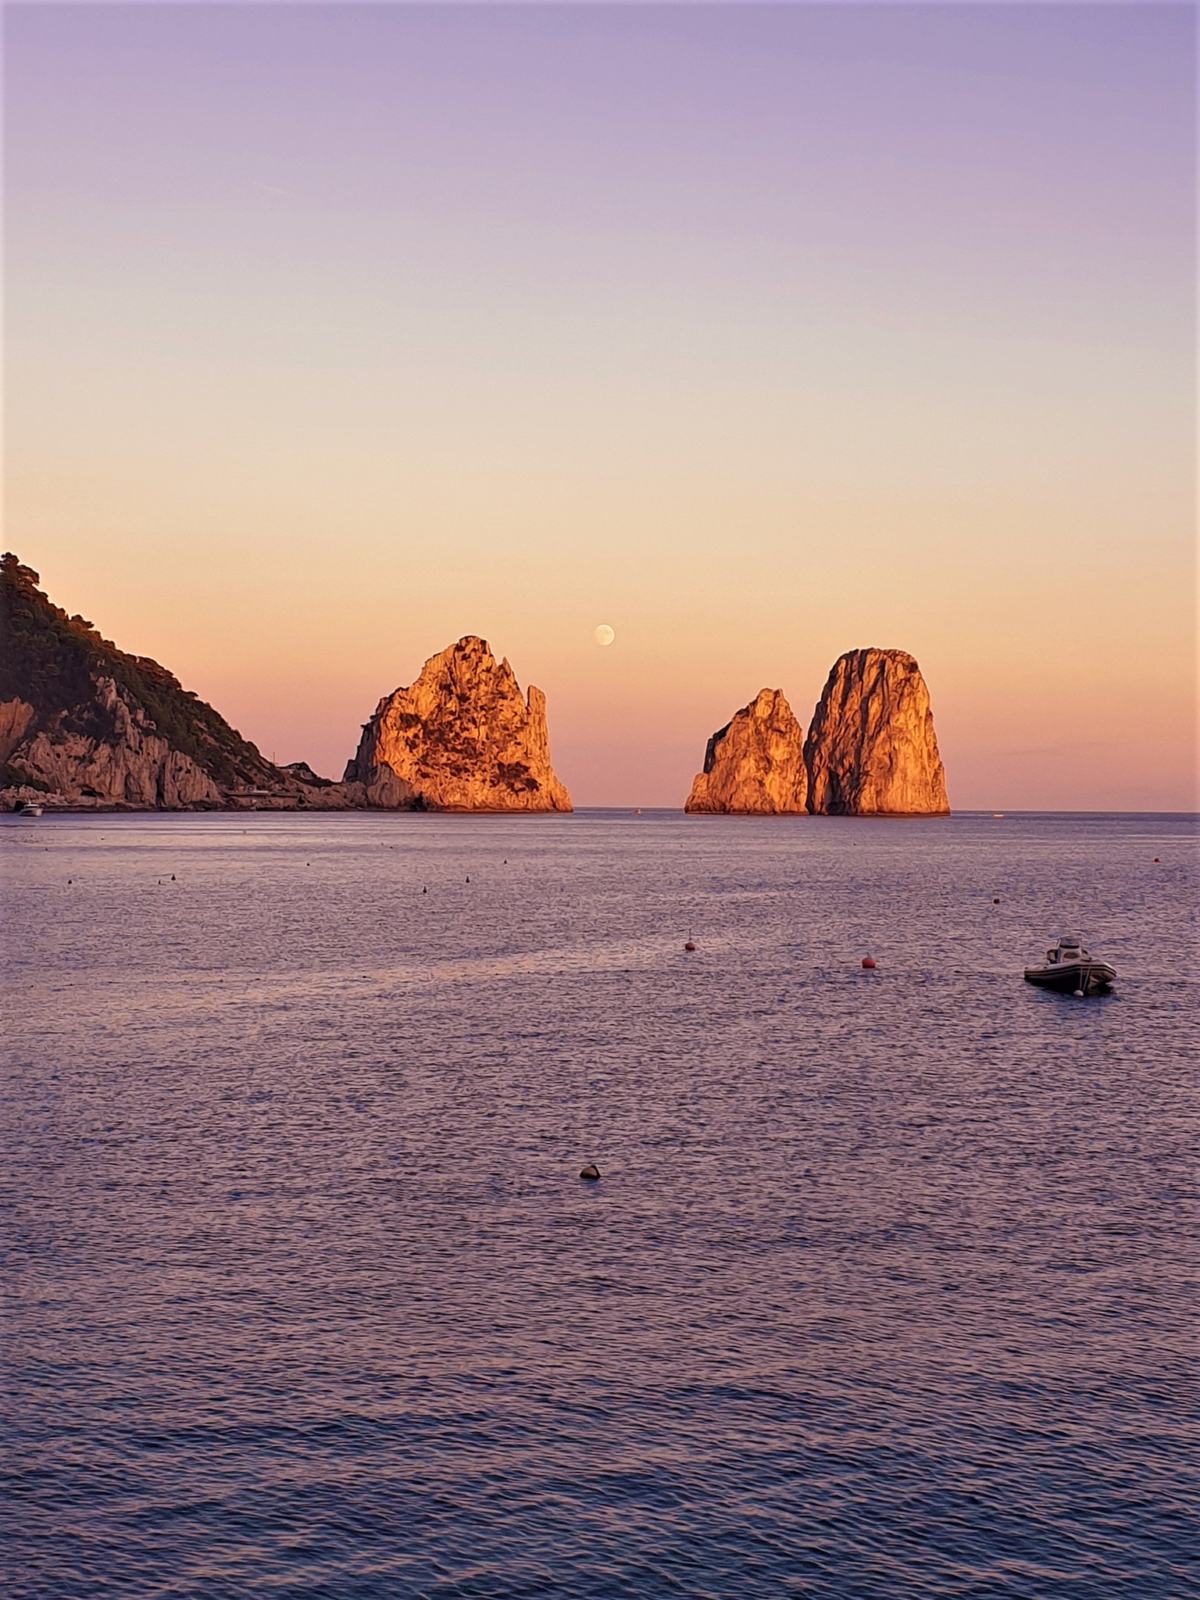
(172, 877)
(1156, 861)
(1069, 969)
(591, 1172)
(995, 899)
(868, 963)
(689, 945)
(424, 891)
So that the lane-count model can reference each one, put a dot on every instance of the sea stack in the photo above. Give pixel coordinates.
(871, 749)
(754, 765)
(461, 738)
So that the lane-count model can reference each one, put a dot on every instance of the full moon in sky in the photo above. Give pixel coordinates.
(604, 634)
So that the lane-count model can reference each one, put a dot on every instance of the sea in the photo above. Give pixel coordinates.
(886, 1288)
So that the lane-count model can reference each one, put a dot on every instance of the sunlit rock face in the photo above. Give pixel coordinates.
(755, 763)
(106, 750)
(871, 749)
(16, 719)
(461, 738)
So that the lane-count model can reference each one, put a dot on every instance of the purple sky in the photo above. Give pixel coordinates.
(760, 333)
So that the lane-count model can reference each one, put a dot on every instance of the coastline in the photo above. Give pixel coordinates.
(633, 812)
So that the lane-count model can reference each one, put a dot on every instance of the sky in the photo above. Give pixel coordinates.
(759, 333)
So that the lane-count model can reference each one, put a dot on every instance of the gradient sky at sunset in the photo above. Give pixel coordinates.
(335, 332)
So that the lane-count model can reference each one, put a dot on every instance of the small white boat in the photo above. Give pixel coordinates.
(1070, 969)
(29, 808)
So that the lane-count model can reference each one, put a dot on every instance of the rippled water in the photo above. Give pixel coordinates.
(883, 1292)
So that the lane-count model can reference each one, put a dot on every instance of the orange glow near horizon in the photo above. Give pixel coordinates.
(637, 340)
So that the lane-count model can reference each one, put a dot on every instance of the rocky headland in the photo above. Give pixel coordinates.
(461, 738)
(754, 765)
(86, 725)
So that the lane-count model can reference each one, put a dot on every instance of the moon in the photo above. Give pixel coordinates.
(604, 635)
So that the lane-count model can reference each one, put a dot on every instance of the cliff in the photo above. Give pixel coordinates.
(755, 763)
(84, 723)
(871, 748)
(461, 738)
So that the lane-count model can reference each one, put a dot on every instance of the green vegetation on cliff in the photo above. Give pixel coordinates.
(52, 662)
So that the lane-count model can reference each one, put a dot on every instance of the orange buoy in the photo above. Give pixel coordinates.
(689, 945)
(869, 963)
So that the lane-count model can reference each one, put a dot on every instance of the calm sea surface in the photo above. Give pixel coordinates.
(884, 1291)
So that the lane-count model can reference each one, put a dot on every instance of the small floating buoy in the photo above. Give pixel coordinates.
(424, 891)
(1079, 994)
(468, 878)
(995, 899)
(689, 945)
(172, 877)
(1156, 861)
(869, 963)
(591, 1173)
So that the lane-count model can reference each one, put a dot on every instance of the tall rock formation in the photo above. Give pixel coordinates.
(755, 763)
(461, 738)
(85, 724)
(871, 749)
